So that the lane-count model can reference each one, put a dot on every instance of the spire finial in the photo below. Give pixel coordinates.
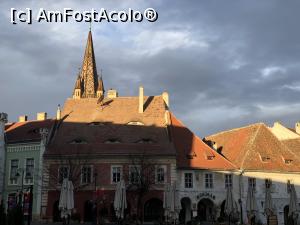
(91, 24)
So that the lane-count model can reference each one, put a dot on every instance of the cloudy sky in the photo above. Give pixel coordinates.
(225, 64)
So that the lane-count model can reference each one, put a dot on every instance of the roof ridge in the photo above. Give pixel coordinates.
(236, 129)
(249, 148)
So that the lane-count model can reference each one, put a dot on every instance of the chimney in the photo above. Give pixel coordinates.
(58, 113)
(165, 96)
(111, 93)
(23, 118)
(297, 127)
(141, 100)
(41, 116)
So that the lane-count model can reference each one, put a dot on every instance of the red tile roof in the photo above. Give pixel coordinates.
(192, 152)
(94, 125)
(28, 131)
(246, 146)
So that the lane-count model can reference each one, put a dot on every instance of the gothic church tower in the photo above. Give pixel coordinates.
(87, 84)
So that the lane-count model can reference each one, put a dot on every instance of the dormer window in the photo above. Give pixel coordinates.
(78, 141)
(112, 141)
(136, 123)
(210, 157)
(145, 140)
(265, 158)
(96, 124)
(288, 161)
(191, 155)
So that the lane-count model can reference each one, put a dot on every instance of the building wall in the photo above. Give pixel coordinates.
(22, 152)
(217, 194)
(280, 194)
(103, 183)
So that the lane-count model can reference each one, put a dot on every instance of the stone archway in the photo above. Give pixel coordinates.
(185, 214)
(153, 210)
(205, 210)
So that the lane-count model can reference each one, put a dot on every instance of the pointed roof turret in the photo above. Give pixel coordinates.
(100, 85)
(89, 70)
(78, 83)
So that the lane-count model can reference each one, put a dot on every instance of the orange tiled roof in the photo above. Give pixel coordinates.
(246, 146)
(192, 152)
(28, 131)
(89, 127)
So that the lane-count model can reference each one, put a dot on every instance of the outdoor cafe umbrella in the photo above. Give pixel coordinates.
(120, 203)
(251, 203)
(230, 207)
(70, 197)
(66, 198)
(172, 203)
(268, 202)
(177, 203)
(293, 206)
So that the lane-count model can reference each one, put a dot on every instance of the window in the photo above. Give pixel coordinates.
(188, 180)
(134, 174)
(268, 183)
(228, 180)
(63, 173)
(29, 171)
(252, 183)
(14, 164)
(116, 174)
(86, 174)
(160, 174)
(209, 180)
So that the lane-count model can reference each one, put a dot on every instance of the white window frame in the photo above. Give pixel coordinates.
(25, 167)
(210, 184)
(228, 180)
(10, 179)
(192, 180)
(111, 173)
(81, 174)
(164, 167)
(58, 174)
(131, 168)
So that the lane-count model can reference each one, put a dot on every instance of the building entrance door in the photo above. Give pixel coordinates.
(205, 210)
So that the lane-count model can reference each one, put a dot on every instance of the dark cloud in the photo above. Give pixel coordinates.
(225, 64)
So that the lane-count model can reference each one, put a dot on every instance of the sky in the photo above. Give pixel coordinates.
(225, 64)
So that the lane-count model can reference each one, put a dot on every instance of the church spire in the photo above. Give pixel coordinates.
(89, 71)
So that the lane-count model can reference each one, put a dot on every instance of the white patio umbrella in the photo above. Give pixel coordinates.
(268, 202)
(251, 204)
(62, 205)
(177, 203)
(230, 205)
(293, 205)
(120, 203)
(70, 197)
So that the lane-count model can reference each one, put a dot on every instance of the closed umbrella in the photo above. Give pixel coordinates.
(62, 205)
(70, 197)
(120, 203)
(230, 207)
(251, 203)
(177, 203)
(268, 202)
(293, 205)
